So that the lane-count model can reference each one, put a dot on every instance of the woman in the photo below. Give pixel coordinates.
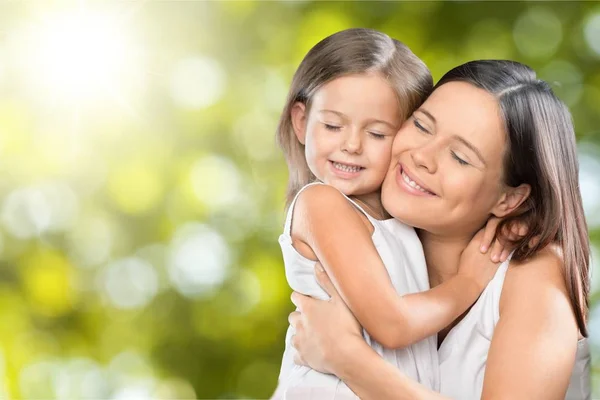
(490, 140)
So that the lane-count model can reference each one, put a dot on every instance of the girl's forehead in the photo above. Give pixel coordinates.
(356, 83)
(357, 94)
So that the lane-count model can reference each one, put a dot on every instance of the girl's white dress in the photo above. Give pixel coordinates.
(402, 254)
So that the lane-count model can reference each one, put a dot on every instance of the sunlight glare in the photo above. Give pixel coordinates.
(79, 55)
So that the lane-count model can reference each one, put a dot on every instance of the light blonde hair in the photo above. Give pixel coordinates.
(352, 51)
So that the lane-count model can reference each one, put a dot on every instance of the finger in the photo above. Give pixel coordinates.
(512, 233)
(488, 234)
(534, 241)
(324, 281)
(298, 360)
(518, 230)
(523, 229)
(294, 319)
(497, 249)
(299, 300)
(504, 255)
(513, 237)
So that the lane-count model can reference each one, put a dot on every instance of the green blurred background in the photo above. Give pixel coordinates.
(142, 193)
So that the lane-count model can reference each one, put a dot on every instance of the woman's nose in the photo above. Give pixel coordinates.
(425, 156)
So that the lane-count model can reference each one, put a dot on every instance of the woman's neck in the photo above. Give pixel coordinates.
(442, 254)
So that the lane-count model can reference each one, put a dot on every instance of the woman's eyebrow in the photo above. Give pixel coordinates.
(456, 137)
(428, 114)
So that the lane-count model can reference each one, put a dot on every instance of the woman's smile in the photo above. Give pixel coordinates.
(410, 184)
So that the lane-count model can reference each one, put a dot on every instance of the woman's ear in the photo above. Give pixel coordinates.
(298, 115)
(511, 199)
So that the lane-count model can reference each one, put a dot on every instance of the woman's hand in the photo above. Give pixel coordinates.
(324, 328)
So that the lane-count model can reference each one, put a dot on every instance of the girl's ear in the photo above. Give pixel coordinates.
(511, 200)
(298, 115)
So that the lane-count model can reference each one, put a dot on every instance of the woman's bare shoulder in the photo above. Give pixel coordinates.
(538, 279)
(546, 263)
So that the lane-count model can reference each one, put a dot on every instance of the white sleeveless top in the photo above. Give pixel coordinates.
(402, 253)
(463, 353)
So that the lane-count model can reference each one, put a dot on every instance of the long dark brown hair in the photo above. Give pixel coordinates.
(352, 51)
(541, 152)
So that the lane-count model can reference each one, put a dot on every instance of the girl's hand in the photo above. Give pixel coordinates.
(324, 328)
(476, 265)
(501, 248)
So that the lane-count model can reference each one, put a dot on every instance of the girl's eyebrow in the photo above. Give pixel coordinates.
(379, 121)
(370, 121)
(339, 114)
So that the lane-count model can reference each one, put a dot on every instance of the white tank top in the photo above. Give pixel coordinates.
(402, 254)
(463, 353)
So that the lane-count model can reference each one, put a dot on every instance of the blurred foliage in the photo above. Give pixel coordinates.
(141, 201)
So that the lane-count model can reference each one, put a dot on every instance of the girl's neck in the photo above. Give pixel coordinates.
(371, 203)
(442, 254)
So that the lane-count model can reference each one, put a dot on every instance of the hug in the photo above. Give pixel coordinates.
(435, 237)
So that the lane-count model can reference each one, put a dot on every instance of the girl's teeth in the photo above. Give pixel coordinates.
(412, 183)
(346, 168)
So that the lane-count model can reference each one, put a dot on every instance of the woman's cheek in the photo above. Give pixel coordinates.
(476, 197)
(456, 182)
(463, 187)
(404, 140)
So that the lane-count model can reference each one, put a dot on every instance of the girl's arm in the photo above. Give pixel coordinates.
(328, 339)
(371, 377)
(340, 237)
(531, 355)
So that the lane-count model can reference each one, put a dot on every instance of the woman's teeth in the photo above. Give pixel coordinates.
(412, 183)
(346, 168)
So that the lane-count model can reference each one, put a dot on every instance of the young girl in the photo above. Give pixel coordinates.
(348, 98)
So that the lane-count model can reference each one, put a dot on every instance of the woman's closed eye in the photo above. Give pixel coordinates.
(457, 158)
(420, 127)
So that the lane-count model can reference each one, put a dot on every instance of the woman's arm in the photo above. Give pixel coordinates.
(343, 352)
(531, 355)
(533, 349)
(340, 238)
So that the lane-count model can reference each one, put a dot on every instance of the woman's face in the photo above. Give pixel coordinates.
(447, 162)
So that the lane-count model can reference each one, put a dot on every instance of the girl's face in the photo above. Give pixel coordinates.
(447, 163)
(348, 132)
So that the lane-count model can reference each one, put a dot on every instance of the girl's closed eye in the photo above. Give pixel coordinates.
(377, 135)
(331, 127)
